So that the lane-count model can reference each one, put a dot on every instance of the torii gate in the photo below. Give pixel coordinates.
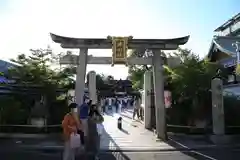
(119, 45)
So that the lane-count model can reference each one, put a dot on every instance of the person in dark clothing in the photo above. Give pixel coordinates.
(132, 102)
(81, 133)
(84, 110)
(93, 110)
(90, 103)
(103, 107)
(93, 144)
(136, 108)
(116, 105)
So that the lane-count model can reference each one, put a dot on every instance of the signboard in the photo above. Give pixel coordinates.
(229, 62)
(119, 49)
(167, 99)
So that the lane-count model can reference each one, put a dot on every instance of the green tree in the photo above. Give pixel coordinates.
(36, 69)
(189, 82)
(193, 77)
(39, 70)
(136, 72)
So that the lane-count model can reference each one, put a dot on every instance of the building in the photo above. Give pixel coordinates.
(222, 49)
(112, 88)
(230, 28)
(4, 66)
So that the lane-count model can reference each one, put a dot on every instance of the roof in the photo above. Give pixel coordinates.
(224, 44)
(104, 43)
(4, 65)
(228, 23)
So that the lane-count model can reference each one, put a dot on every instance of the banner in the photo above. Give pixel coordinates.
(167, 99)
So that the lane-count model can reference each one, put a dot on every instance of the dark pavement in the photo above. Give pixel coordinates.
(16, 151)
(179, 148)
(213, 154)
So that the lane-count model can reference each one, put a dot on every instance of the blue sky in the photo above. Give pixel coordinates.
(26, 24)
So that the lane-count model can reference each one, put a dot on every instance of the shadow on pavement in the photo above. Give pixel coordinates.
(184, 150)
(124, 131)
(109, 112)
(204, 150)
(18, 155)
(114, 153)
(129, 110)
(15, 151)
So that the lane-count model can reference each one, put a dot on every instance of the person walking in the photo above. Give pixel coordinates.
(103, 104)
(116, 104)
(95, 130)
(84, 111)
(70, 127)
(136, 108)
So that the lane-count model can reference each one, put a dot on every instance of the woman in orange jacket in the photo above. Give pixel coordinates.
(70, 125)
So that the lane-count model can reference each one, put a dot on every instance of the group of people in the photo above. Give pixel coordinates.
(84, 121)
(121, 104)
(109, 103)
(81, 122)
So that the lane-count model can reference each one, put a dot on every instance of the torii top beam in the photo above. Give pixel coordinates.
(100, 43)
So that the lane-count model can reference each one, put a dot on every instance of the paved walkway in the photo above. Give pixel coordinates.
(132, 137)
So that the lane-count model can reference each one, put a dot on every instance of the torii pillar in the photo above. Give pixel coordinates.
(92, 87)
(81, 73)
(158, 83)
(147, 99)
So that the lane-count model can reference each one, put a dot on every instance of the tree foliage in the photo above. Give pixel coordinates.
(181, 77)
(136, 72)
(193, 77)
(39, 76)
(37, 69)
(189, 82)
